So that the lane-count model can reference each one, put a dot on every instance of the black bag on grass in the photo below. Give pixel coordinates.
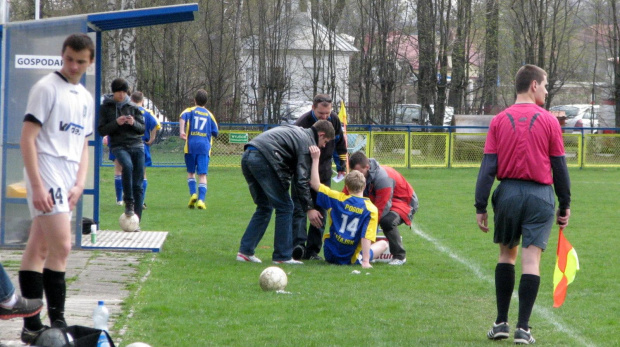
(80, 337)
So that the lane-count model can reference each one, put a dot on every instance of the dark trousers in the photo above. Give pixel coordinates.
(389, 224)
(132, 161)
(312, 239)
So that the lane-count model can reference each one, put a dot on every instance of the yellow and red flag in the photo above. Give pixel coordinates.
(566, 266)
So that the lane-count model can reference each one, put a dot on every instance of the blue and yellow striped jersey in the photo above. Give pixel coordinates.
(349, 219)
(200, 125)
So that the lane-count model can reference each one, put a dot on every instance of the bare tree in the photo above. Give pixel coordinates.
(428, 71)
(491, 57)
(460, 56)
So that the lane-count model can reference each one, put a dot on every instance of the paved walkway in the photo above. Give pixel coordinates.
(91, 276)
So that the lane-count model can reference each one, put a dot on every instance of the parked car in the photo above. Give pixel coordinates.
(578, 116)
(290, 112)
(410, 114)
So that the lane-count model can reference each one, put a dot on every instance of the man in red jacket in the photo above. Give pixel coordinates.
(393, 196)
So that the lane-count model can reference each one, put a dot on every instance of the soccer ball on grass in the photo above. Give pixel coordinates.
(129, 224)
(273, 278)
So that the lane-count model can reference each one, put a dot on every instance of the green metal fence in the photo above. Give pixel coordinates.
(393, 146)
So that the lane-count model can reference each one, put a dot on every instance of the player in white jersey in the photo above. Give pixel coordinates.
(59, 117)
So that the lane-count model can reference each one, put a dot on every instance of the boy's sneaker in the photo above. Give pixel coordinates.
(129, 210)
(144, 206)
(248, 258)
(120, 203)
(22, 308)
(290, 261)
(192, 201)
(523, 337)
(499, 331)
(398, 262)
(28, 336)
(315, 256)
(201, 205)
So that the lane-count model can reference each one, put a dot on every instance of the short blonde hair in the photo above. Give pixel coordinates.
(355, 181)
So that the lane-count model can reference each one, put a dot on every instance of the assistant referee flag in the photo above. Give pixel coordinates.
(566, 266)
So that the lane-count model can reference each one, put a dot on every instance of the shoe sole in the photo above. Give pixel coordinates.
(499, 336)
(245, 259)
(21, 315)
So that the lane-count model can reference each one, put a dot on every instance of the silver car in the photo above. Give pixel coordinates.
(578, 116)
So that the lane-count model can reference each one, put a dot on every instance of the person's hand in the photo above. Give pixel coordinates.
(341, 174)
(121, 120)
(366, 265)
(315, 152)
(483, 221)
(129, 120)
(74, 195)
(315, 217)
(42, 200)
(562, 220)
(183, 136)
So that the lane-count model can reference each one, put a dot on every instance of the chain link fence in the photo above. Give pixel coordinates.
(445, 147)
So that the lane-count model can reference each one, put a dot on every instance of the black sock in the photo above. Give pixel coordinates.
(528, 290)
(504, 286)
(31, 286)
(55, 292)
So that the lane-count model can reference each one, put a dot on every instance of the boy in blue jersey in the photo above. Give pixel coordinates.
(151, 125)
(197, 125)
(352, 221)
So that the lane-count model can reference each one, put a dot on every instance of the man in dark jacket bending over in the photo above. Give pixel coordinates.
(269, 163)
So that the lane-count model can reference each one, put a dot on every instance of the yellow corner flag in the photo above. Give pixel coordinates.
(342, 114)
(566, 266)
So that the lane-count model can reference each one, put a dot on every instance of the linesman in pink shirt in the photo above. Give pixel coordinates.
(525, 151)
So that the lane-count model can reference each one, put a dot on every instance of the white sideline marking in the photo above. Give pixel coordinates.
(544, 311)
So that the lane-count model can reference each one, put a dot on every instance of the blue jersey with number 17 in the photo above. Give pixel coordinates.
(200, 125)
(350, 218)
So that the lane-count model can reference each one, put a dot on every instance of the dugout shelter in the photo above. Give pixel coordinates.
(30, 50)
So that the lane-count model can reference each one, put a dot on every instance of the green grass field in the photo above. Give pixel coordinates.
(196, 294)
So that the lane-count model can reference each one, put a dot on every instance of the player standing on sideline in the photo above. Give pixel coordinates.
(151, 126)
(13, 305)
(122, 121)
(270, 161)
(197, 126)
(59, 117)
(308, 244)
(525, 151)
(353, 219)
(394, 197)
(118, 172)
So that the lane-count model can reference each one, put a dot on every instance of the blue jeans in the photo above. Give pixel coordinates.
(6, 286)
(131, 160)
(268, 193)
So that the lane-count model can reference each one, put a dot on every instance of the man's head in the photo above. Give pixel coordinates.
(355, 182)
(201, 97)
(78, 53)
(532, 79)
(358, 161)
(120, 88)
(137, 98)
(322, 106)
(325, 131)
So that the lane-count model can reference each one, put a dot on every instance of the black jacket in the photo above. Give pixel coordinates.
(338, 145)
(286, 148)
(120, 135)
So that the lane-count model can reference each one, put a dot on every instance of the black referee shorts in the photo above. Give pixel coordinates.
(523, 209)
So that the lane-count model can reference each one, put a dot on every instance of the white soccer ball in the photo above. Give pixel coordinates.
(129, 224)
(138, 344)
(273, 278)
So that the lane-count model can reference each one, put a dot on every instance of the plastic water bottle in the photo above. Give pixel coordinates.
(100, 317)
(93, 233)
(103, 340)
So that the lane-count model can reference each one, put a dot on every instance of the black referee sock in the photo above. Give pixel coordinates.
(528, 290)
(504, 286)
(55, 292)
(31, 286)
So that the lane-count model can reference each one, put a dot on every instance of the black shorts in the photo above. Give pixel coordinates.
(523, 209)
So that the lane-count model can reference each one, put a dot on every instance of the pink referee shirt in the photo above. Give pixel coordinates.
(524, 137)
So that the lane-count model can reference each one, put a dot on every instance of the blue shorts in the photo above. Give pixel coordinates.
(147, 156)
(197, 163)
